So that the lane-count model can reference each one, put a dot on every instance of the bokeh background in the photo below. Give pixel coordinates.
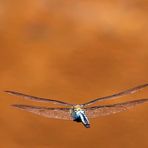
(73, 50)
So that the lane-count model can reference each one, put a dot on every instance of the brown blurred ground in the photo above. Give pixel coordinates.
(73, 51)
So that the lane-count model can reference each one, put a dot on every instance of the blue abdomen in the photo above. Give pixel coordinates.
(76, 117)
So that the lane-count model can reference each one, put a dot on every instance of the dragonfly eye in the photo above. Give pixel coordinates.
(77, 109)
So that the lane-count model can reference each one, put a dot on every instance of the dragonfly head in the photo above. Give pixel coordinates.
(77, 107)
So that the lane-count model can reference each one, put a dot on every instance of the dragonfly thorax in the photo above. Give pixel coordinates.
(76, 111)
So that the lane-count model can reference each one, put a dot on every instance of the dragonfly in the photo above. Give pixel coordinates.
(80, 112)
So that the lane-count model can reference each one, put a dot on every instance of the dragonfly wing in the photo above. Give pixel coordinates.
(120, 94)
(97, 111)
(56, 113)
(38, 99)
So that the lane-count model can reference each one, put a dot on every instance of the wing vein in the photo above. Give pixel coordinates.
(114, 96)
(38, 99)
(97, 111)
(56, 113)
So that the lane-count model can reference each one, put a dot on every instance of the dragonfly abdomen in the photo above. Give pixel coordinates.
(79, 116)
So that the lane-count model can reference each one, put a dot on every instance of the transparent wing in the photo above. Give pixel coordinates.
(38, 99)
(120, 94)
(56, 113)
(97, 111)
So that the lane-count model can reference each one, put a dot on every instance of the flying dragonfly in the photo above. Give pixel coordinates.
(80, 112)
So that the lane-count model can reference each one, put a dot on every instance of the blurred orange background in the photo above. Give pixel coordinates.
(73, 51)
